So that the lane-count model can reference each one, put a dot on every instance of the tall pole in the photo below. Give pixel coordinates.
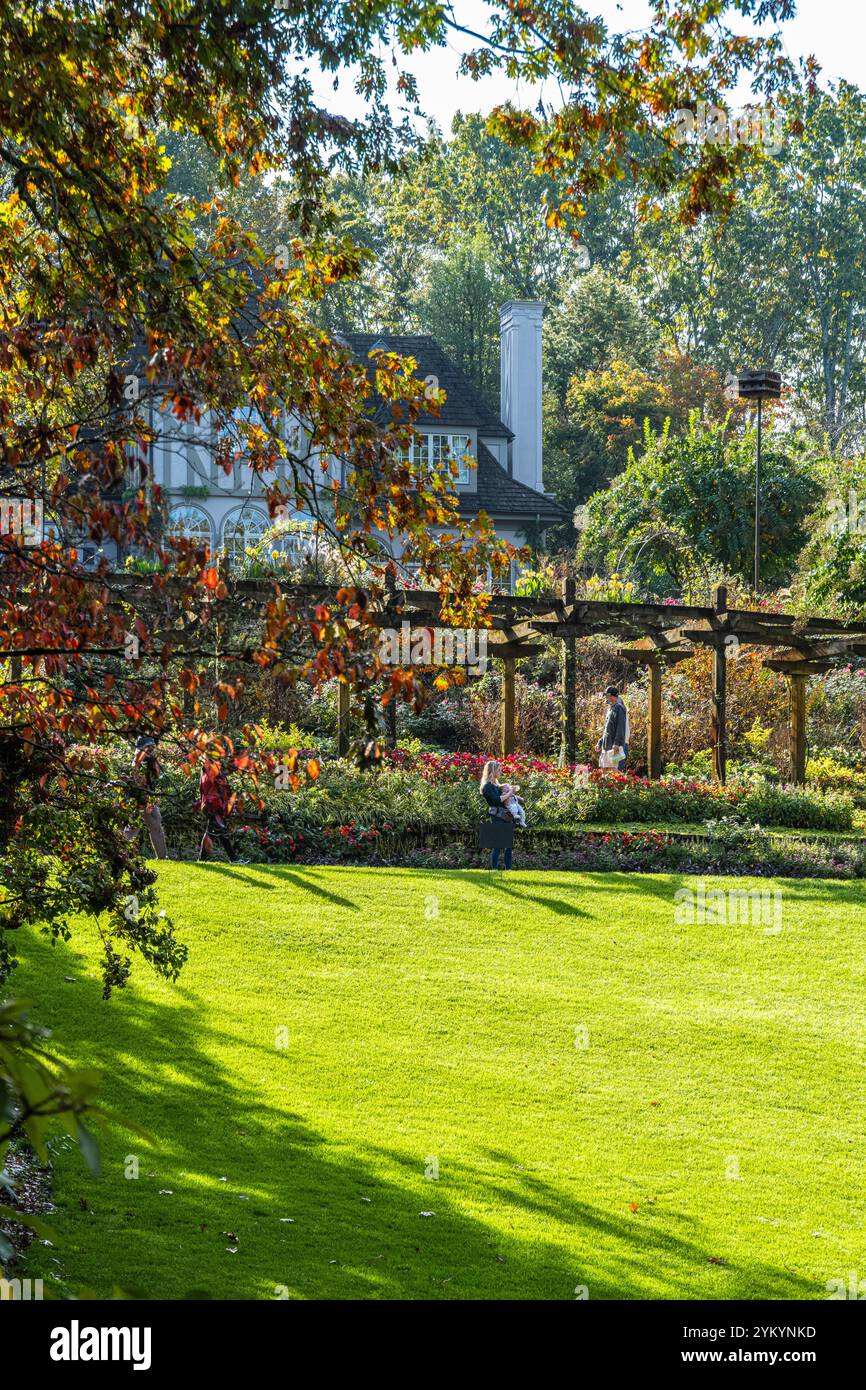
(718, 726)
(506, 707)
(758, 507)
(759, 386)
(654, 721)
(797, 708)
(344, 695)
(568, 684)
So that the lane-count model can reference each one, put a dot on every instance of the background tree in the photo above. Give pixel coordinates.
(834, 560)
(684, 504)
(460, 307)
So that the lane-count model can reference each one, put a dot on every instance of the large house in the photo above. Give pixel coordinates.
(230, 513)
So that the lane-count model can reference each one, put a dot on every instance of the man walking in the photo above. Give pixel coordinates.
(613, 744)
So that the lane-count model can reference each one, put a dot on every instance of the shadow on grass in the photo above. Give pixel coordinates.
(354, 1232)
(274, 876)
(662, 885)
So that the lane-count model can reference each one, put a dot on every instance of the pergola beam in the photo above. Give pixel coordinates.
(656, 656)
(502, 650)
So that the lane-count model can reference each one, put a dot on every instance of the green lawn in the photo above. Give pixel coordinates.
(435, 1016)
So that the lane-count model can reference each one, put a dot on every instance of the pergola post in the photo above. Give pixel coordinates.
(568, 686)
(390, 713)
(720, 695)
(797, 710)
(654, 720)
(343, 695)
(506, 706)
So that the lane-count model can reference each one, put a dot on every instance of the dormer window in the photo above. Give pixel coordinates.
(445, 448)
(439, 451)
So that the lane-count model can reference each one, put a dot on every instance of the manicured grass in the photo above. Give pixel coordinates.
(437, 1018)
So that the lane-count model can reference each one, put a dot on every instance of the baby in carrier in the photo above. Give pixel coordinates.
(513, 805)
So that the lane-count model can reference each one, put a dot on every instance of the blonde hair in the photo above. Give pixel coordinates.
(489, 772)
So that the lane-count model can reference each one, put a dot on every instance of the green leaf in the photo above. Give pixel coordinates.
(24, 1218)
(90, 1150)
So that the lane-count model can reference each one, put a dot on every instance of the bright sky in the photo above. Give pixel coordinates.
(833, 30)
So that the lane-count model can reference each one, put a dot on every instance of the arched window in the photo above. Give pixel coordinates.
(297, 537)
(243, 528)
(190, 523)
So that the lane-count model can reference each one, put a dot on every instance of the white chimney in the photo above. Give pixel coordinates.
(520, 368)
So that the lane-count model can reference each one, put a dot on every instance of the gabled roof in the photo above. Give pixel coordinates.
(464, 406)
(500, 495)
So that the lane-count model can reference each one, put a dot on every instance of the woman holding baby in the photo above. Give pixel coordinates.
(502, 803)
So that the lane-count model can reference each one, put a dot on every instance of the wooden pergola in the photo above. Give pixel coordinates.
(656, 636)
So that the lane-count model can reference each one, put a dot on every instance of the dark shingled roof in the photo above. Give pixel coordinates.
(500, 495)
(496, 493)
(464, 404)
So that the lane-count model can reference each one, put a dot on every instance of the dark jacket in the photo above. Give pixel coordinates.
(493, 796)
(613, 735)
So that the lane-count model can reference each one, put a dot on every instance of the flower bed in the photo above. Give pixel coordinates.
(426, 801)
(727, 847)
(555, 794)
